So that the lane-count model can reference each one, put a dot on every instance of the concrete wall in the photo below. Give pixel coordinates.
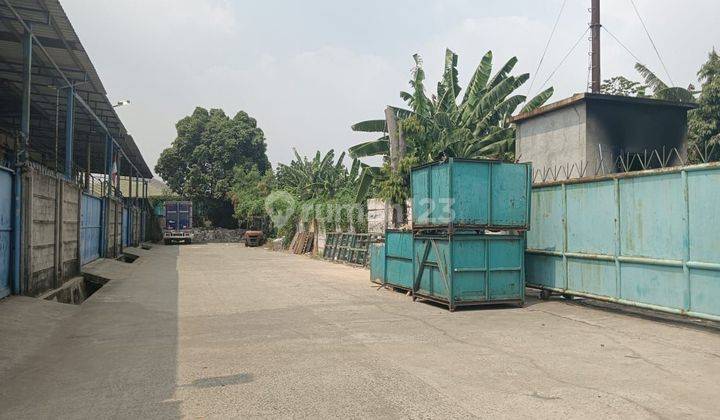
(50, 230)
(70, 234)
(554, 139)
(136, 215)
(595, 136)
(114, 226)
(378, 216)
(618, 128)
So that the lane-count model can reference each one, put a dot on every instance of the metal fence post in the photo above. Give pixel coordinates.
(686, 239)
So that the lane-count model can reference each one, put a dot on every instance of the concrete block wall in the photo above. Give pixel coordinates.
(41, 195)
(136, 215)
(379, 215)
(50, 230)
(70, 236)
(114, 226)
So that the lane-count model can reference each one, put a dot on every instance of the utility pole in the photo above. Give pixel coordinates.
(595, 54)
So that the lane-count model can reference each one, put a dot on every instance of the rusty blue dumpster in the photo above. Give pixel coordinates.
(399, 259)
(467, 269)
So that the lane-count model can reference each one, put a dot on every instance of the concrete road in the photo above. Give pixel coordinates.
(226, 331)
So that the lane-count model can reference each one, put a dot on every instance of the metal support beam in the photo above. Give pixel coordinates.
(106, 199)
(88, 151)
(137, 186)
(27, 44)
(118, 162)
(145, 205)
(69, 121)
(21, 157)
(130, 184)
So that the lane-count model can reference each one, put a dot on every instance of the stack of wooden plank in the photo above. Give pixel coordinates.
(302, 242)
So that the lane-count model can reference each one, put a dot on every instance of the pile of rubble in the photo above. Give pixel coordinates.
(219, 235)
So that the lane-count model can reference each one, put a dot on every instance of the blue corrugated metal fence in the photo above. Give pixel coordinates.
(6, 199)
(648, 239)
(90, 218)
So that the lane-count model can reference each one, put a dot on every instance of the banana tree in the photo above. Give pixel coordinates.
(441, 126)
(474, 127)
(319, 183)
(320, 177)
(661, 90)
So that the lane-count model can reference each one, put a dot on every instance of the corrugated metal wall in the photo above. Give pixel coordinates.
(648, 239)
(91, 222)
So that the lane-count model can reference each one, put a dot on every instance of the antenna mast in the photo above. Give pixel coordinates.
(595, 53)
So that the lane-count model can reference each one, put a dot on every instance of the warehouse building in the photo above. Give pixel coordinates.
(63, 154)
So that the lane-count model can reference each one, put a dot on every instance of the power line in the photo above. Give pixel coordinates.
(547, 45)
(622, 45)
(565, 58)
(637, 12)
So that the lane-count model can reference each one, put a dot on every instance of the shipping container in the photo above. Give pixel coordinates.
(469, 269)
(468, 194)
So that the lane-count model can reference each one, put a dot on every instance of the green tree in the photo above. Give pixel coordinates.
(704, 123)
(621, 86)
(325, 190)
(200, 163)
(321, 176)
(248, 193)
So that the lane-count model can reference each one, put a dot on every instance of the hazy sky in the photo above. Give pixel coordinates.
(307, 70)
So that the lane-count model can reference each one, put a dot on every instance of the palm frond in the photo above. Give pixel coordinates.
(479, 79)
(503, 73)
(370, 126)
(650, 78)
(377, 147)
(539, 100)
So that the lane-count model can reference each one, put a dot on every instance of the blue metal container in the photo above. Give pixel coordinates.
(399, 259)
(470, 269)
(377, 263)
(463, 193)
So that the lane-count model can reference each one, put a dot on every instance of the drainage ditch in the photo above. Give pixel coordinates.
(77, 290)
(128, 258)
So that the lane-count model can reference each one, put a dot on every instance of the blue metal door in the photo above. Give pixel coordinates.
(6, 198)
(90, 225)
(125, 227)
